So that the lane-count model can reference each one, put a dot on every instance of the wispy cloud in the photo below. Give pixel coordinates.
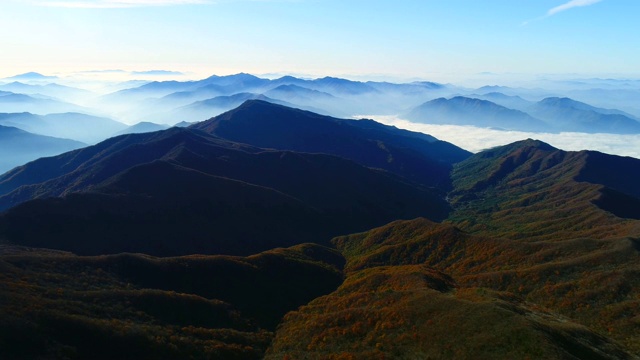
(111, 4)
(564, 7)
(570, 5)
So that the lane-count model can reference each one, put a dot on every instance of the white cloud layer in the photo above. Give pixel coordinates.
(476, 139)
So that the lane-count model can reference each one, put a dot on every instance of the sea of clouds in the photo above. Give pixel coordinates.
(476, 139)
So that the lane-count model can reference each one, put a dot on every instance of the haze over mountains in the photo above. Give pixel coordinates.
(551, 114)
(581, 106)
(19, 147)
(265, 230)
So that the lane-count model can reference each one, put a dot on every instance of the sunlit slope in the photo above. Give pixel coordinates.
(536, 222)
(532, 191)
(414, 312)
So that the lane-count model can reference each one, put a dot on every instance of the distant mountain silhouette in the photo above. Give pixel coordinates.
(158, 73)
(142, 127)
(289, 92)
(19, 147)
(15, 103)
(33, 76)
(182, 98)
(182, 191)
(307, 99)
(222, 85)
(184, 124)
(461, 110)
(76, 126)
(508, 101)
(328, 95)
(53, 90)
(415, 156)
(205, 109)
(569, 115)
(335, 85)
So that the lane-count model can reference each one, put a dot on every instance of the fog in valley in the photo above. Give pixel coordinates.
(61, 113)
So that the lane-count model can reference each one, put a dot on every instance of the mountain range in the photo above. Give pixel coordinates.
(15, 103)
(461, 110)
(548, 115)
(269, 231)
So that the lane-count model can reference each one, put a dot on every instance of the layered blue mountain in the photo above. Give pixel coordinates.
(142, 127)
(415, 156)
(508, 101)
(223, 85)
(461, 110)
(205, 109)
(52, 90)
(81, 127)
(183, 191)
(295, 92)
(18, 147)
(11, 102)
(566, 114)
(31, 76)
(329, 95)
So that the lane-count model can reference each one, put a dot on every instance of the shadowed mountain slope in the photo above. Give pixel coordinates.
(134, 306)
(418, 157)
(183, 191)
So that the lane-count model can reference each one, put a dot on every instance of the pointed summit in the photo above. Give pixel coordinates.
(414, 156)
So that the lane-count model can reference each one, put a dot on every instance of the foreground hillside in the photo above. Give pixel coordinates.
(133, 306)
(520, 252)
(537, 274)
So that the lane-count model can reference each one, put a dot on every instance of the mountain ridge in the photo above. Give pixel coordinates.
(416, 157)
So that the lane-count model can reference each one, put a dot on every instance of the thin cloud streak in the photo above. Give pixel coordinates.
(564, 7)
(570, 5)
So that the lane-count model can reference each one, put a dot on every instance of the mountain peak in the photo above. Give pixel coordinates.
(561, 101)
(31, 76)
(532, 143)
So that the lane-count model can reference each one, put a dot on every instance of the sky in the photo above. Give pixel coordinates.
(437, 40)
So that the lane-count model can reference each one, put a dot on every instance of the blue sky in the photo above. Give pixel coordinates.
(398, 39)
